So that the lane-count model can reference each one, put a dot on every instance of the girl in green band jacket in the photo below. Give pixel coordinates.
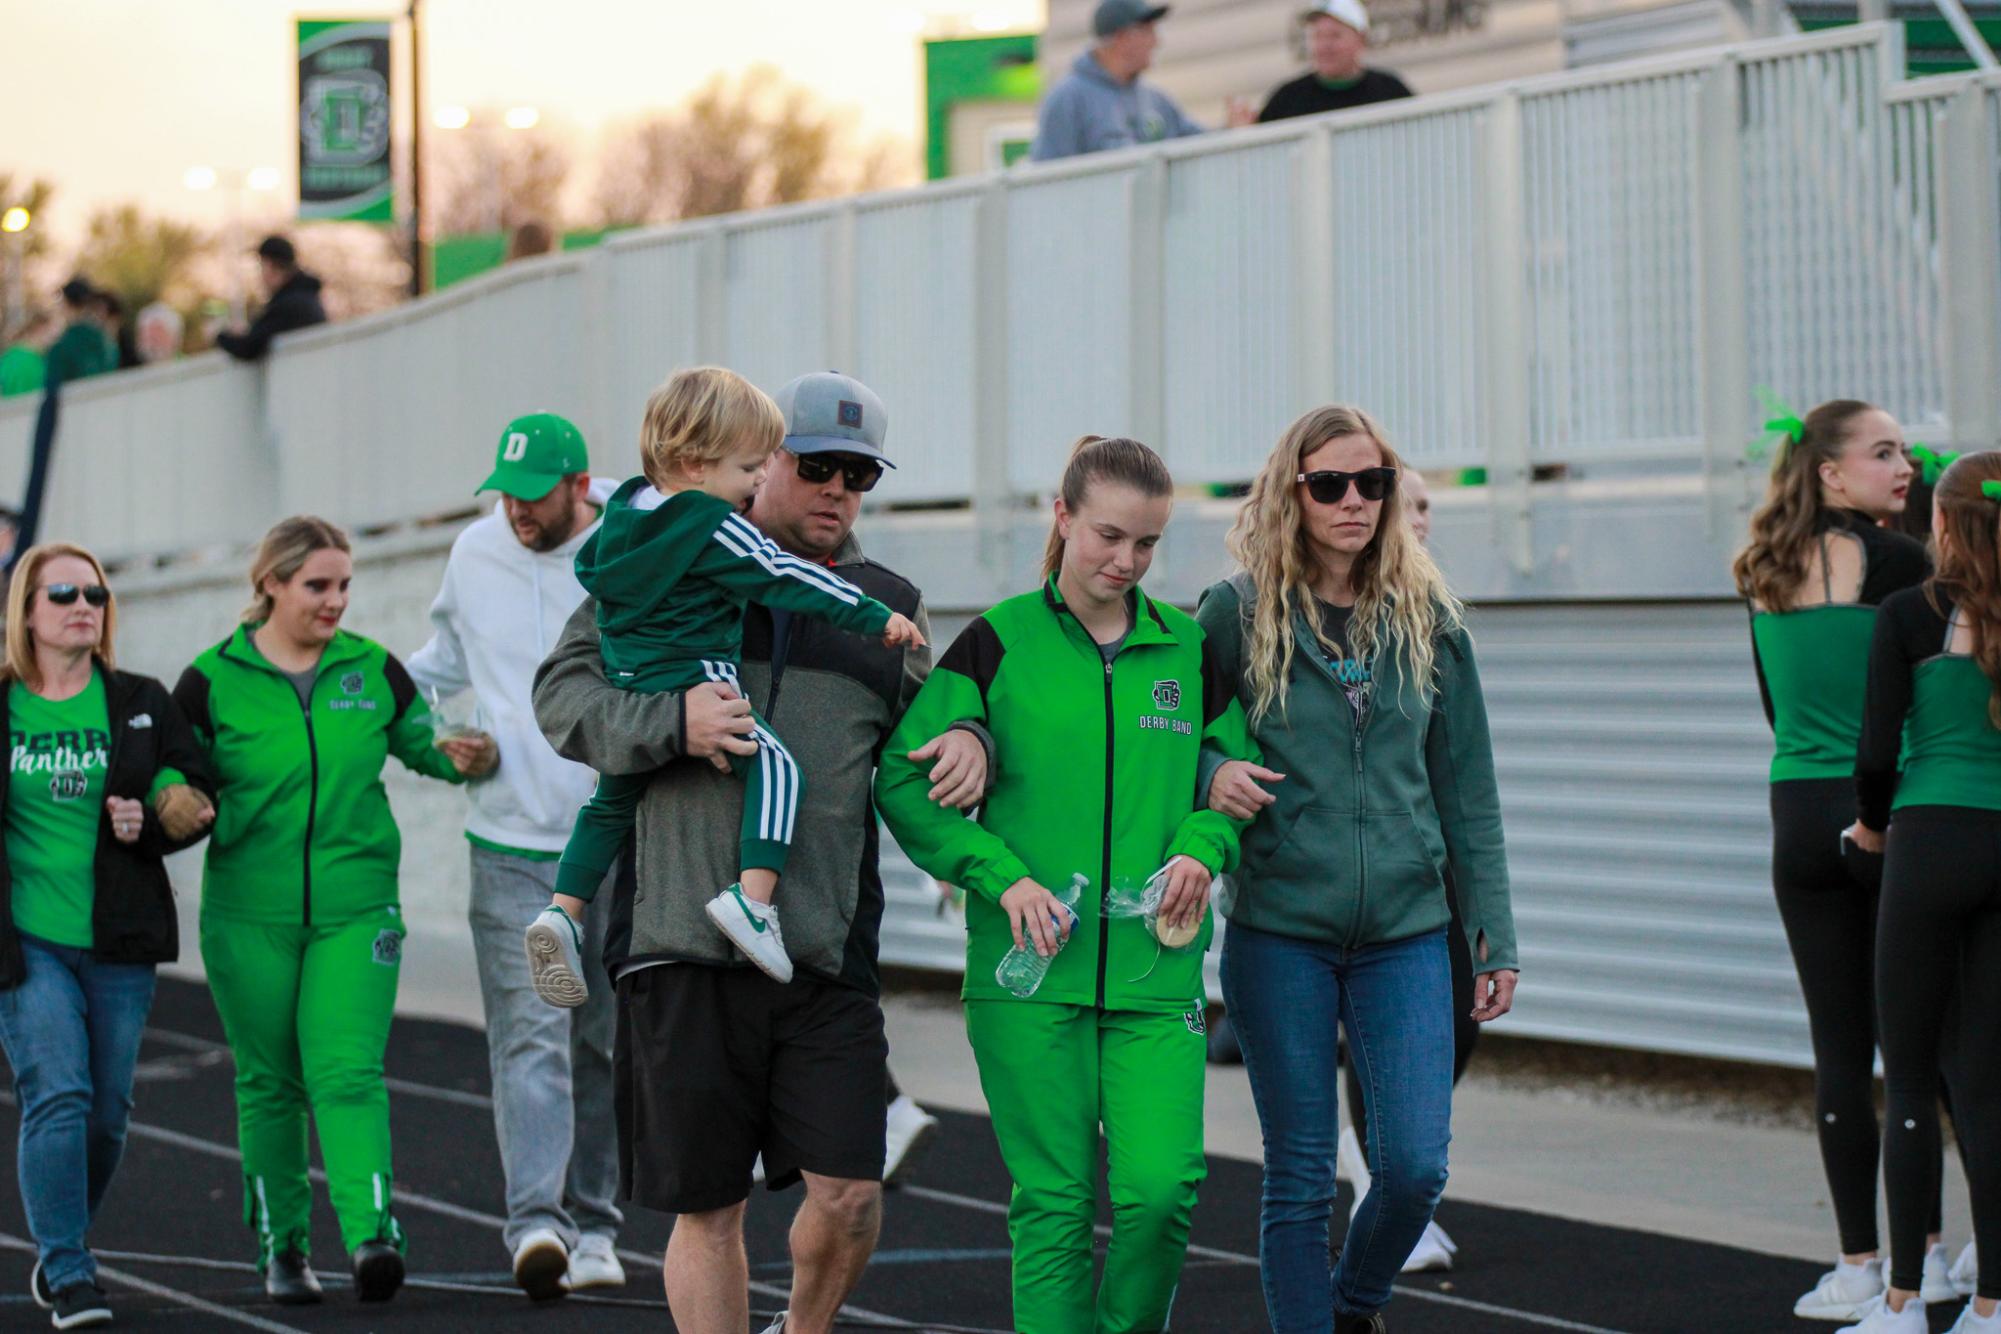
(1099, 701)
(300, 928)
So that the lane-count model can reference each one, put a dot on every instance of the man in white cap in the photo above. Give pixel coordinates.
(1336, 33)
(1102, 104)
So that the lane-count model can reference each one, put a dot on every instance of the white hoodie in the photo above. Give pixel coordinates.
(501, 609)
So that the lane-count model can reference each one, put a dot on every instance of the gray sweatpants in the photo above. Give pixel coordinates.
(552, 1091)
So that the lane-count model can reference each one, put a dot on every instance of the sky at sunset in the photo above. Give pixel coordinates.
(175, 83)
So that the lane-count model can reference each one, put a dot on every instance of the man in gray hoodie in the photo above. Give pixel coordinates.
(1102, 104)
(715, 1062)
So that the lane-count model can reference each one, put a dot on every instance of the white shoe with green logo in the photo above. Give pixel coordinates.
(753, 928)
(556, 958)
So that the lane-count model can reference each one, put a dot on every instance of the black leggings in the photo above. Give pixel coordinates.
(1830, 924)
(1465, 1033)
(1940, 928)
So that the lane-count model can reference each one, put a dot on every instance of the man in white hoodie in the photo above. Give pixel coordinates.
(510, 584)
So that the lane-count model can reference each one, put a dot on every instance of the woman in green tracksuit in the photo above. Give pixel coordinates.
(300, 931)
(1098, 700)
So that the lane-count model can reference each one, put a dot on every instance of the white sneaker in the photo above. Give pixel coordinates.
(556, 958)
(1937, 1284)
(753, 928)
(1434, 1251)
(594, 1264)
(1965, 1273)
(1348, 1156)
(910, 1132)
(1971, 1323)
(540, 1263)
(1842, 1292)
(777, 1326)
(1878, 1318)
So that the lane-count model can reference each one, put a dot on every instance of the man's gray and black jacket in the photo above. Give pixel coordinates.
(833, 698)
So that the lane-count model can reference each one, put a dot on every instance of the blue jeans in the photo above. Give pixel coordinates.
(71, 1031)
(1287, 999)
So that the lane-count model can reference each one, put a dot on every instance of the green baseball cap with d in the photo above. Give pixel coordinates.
(536, 452)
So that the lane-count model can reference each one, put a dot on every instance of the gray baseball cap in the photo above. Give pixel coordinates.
(828, 412)
(1117, 15)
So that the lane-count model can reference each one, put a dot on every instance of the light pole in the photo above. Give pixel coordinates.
(237, 182)
(14, 226)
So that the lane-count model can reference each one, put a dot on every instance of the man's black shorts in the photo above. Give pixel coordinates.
(717, 1065)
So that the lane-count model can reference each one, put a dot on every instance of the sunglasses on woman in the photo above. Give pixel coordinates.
(1329, 487)
(857, 474)
(64, 594)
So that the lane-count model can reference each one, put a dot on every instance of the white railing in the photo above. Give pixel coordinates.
(1578, 269)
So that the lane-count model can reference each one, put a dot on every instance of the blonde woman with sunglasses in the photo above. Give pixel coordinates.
(1349, 655)
(103, 780)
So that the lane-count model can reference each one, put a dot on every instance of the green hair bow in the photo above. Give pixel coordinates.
(1992, 490)
(1783, 423)
(1931, 465)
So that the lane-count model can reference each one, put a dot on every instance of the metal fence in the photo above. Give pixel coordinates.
(1592, 266)
(1632, 757)
(1588, 268)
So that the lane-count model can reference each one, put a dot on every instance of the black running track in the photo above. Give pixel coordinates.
(173, 1247)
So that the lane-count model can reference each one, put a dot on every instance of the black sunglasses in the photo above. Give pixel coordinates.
(1329, 487)
(62, 595)
(857, 474)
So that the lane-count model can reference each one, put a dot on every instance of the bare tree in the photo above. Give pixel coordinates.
(489, 179)
(740, 143)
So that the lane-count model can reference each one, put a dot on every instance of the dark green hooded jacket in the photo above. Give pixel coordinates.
(1355, 849)
(671, 584)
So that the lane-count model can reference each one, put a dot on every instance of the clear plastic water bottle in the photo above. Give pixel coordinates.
(1022, 969)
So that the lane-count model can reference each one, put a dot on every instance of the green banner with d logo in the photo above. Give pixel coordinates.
(344, 168)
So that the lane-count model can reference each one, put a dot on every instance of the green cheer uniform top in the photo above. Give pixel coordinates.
(1813, 660)
(1927, 706)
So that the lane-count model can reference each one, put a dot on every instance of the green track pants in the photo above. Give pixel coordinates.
(1052, 1075)
(306, 1010)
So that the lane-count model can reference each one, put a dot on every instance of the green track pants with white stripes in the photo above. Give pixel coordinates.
(307, 1010)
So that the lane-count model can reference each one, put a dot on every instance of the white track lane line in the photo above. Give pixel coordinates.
(191, 1043)
(1238, 1257)
(445, 1208)
(175, 1295)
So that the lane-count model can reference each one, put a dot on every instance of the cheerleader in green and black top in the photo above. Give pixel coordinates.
(1934, 704)
(1818, 563)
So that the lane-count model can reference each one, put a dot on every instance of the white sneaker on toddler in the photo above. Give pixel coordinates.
(753, 928)
(556, 958)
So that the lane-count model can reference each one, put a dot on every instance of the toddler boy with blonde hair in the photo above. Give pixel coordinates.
(671, 567)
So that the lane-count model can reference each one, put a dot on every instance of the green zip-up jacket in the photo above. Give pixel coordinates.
(1354, 850)
(303, 832)
(1094, 773)
(671, 584)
